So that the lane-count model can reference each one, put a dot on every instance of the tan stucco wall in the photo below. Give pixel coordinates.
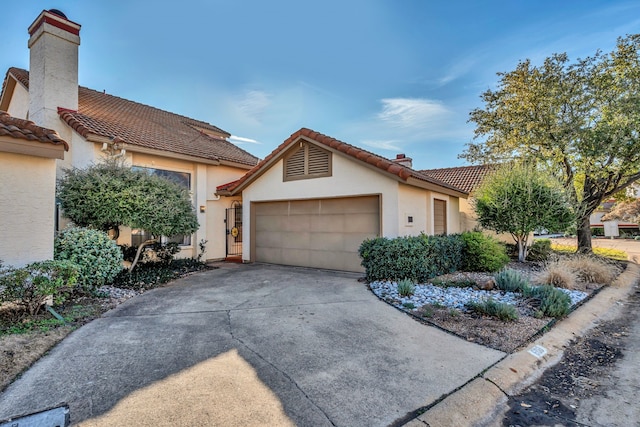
(352, 179)
(468, 222)
(27, 205)
(348, 179)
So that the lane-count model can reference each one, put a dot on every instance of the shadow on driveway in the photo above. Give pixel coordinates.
(252, 345)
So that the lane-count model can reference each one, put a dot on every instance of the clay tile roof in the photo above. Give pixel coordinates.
(140, 125)
(466, 178)
(25, 129)
(386, 165)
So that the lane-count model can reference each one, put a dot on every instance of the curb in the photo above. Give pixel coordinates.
(479, 401)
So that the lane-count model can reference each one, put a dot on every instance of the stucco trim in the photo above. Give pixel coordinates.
(31, 148)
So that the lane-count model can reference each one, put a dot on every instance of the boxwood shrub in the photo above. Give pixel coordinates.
(414, 257)
(483, 252)
(98, 258)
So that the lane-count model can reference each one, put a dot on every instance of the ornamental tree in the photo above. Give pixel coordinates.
(109, 195)
(625, 211)
(518, 199)
(579, 120)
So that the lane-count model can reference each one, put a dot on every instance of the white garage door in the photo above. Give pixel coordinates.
(321, 233)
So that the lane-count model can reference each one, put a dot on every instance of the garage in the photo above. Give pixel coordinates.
(320, 233)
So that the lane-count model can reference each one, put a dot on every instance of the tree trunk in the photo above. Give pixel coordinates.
(139, 251)
(584, 235)
(522, 249)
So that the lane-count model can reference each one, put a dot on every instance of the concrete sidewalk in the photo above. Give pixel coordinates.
(250, 345)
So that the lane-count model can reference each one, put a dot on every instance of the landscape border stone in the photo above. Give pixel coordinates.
(479, 401)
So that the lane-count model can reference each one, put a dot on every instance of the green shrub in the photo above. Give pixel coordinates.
(493, 308)
(154, 252)
(510, 280)
(552, 301)
(32, 285)
(98, 258)
(483, 252)
(406, 288)
(416, 257)
(540, 250)
(152, 274)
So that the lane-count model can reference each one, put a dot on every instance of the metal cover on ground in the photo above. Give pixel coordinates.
(537, 350)
(55, 417)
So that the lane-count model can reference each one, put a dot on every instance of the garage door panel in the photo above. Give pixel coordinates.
(304, 207)
(296, 240)
(320, 233)
(296, 257)
(297, 223)
(355, 205)
(269, 222)
(322, 223)
(271, 239)
(362, 223)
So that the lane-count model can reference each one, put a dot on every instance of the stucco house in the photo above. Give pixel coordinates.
(28, 155)
(194, 153)
(314, 199)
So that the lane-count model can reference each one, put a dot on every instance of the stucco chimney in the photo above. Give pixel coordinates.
(53, 67)
(403, 160)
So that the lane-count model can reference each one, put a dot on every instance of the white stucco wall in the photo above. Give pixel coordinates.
(412, 202)
(19, 102)
(27, 204)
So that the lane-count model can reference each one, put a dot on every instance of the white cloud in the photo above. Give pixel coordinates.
(388, 145)
(241, 140)
(253, 104)
(408, 113)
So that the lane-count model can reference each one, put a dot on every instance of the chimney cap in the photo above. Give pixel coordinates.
(59, 13)
(400, 156)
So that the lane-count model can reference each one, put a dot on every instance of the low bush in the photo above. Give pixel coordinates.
(491, 307)
(152, 274)
(406, 288)
(510, 280)
(98, 258)
(417, 257)
(154, 252)
(540, 250)
(34, 284)
(592, 269)
(557, 274)
(550, 300)
(482, 252)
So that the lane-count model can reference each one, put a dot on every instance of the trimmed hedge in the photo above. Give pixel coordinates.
(418, 258)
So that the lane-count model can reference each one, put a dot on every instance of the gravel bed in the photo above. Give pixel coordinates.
(452, 297)
(119, 294)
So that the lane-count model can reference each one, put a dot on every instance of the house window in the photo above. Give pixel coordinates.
(139, 236)
(439, 216)
(307, 161)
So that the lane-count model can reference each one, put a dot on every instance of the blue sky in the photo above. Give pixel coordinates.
(394, 76)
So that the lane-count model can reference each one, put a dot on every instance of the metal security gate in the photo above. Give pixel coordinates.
(233, 222)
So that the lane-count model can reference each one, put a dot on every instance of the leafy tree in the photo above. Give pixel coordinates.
(108, 195)
(625, 211)
(517, 199)
(580, 120)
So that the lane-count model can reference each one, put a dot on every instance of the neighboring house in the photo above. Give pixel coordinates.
(28, 155)
(314, 199)
(194, 153)
(616, 227)
(466, 178)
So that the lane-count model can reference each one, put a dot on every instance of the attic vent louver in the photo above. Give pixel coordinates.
(307, 161)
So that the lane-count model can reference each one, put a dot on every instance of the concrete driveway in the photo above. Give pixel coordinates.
(249, 345)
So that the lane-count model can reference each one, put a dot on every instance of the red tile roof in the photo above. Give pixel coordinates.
(467, 178)
(25, 129)
(386, 165)
(144, 126)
